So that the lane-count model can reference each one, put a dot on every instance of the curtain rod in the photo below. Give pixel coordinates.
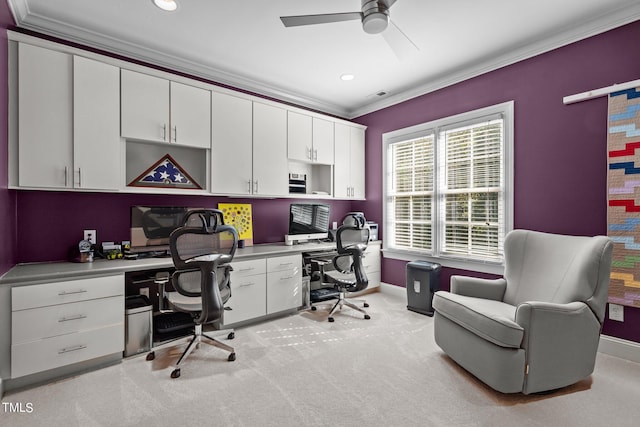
(596, 93)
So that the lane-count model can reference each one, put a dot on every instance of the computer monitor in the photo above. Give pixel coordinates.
(308, 221)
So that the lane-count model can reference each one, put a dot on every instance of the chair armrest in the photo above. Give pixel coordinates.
(480, 288)
(561, 341)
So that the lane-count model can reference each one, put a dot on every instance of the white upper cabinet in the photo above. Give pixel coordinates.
(45, 114)
(96, 120)
(323, 141)
(349, 162)
(231, 144)
(190, 115)
(69, 109)
(270, 176)
(145, 107)
(156, 109)
(309, 139)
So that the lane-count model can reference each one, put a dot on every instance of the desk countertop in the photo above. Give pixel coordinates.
(32, 273)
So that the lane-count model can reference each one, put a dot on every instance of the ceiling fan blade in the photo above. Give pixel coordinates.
(295, 21)
(398, 41)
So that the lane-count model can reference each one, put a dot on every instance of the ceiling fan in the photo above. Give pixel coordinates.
(374, 16)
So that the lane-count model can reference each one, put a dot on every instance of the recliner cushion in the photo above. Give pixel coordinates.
(489, 319)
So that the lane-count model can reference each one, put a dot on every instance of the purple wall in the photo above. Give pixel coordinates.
(50, 223)
(7, 197)
(560, 150)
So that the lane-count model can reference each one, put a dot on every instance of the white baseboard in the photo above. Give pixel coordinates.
(624, 349)
(618, 347)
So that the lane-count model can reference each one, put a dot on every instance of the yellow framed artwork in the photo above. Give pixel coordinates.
(239, 215)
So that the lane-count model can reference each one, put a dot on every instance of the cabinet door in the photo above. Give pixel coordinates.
(284, 283)
(299, 137)
(44, 117)
(145, 107)
(322, 141)
(96, 125)
(270, 150)
(190, 115)
(232, 135)
(248, 298)
(356, 156)
(342, 166)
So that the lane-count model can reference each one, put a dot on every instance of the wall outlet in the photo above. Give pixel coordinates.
(90, 235)
(616, 312)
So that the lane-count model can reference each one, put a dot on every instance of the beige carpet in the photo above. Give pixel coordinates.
(303, 371)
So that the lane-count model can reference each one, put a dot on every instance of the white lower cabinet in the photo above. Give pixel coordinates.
(371, 264)
(58, 324)
(284, 283)
(248, 291)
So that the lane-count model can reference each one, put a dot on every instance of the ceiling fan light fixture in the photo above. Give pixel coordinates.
(375, 23)
(168, 5)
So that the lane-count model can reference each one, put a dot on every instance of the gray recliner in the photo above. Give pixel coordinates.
(536, 329)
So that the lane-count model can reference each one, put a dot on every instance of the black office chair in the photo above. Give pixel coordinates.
(201, 250)
(348, 275)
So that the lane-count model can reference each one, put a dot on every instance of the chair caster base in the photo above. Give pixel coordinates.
(151, 356)
(314, 308)
(366, 316)
(330, 319)
(231, 335)
(231, 357)
(365, 305)
(175, 373)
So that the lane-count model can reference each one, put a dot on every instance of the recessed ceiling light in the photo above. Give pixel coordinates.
(168, 5)
(347, 77)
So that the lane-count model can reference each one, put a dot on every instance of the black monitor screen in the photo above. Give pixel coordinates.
(308, 218)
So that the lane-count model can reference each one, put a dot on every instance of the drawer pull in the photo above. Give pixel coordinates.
(288, 277)
(81, 291)
(70, 349)
(244, 285)
(286, 263)
(247, 269)
(78, 317)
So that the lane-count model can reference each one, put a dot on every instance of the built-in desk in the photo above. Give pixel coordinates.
(85, 304)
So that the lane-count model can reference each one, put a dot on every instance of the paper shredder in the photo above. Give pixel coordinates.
(138, 325)
(423, 280)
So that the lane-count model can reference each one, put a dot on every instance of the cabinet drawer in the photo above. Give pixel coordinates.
(248, 268)
(284, 290)
(371, 259)
(55, 320)
(284, 263)
(41, 355)
(248, 298)
(26, 297)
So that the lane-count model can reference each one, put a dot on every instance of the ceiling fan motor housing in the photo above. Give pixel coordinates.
(375, 16)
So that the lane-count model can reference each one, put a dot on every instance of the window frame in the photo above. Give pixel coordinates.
(435, 127)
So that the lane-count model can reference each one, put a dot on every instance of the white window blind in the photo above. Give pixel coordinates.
(472, 188)
(411, 193)
(448, 186)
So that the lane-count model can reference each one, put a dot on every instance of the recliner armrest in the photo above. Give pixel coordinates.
(480, 288)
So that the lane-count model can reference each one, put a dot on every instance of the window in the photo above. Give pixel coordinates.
(448, 188)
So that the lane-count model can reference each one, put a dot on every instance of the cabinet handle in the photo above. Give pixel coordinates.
(67, 319)
(70, 349)
(79, 177)
(175, 133)
(249, 186)
(244, 285)
(246, 269)
(164, 132)
(285, 263)
(81, 291)
(66, 174)
(309, 153)
(288, 277)
(315, 155)
(255, 186)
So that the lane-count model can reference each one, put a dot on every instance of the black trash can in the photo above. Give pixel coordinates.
(423, 279)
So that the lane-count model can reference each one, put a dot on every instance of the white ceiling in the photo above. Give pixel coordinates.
(243, 43)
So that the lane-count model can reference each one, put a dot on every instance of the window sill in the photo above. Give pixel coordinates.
(469, 265)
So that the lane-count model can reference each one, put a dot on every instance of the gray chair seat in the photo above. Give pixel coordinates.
(492, 320)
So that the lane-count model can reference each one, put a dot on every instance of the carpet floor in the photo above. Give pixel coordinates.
(301, 370)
